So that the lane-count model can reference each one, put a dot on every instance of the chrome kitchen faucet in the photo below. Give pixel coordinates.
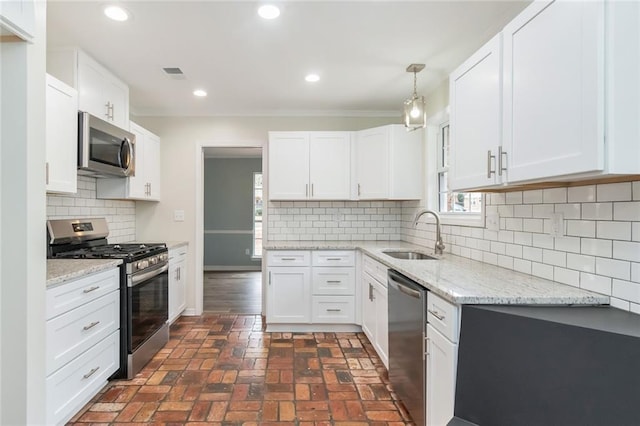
(438, 249)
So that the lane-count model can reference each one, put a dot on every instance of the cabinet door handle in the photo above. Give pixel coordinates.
(436, 314)
(47, 172)
(312, 190)
(489, 171)
(370, 292)
(89, 290)
(334, 258)
(334, 310)
(108, 106)
(358, 190)
(334, 282)
(90, 326)
(501, 168)
(269, 277)
(90, 373)
(306, 189)
(149, 189)
(111, 108)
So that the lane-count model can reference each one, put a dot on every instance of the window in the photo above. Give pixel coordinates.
(257, 215)
(466, 207)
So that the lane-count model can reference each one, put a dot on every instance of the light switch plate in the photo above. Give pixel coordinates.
(493, 222)
(178, 215)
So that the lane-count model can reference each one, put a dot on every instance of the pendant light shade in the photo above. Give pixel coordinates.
(415, 114)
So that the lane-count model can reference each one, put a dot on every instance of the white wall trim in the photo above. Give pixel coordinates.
(199, 211)
(225, 268)
(230, 231)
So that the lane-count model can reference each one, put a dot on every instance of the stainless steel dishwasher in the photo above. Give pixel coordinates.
(407, 331)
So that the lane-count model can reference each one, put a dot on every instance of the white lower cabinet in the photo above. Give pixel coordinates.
(311, 287)
(177, 282)
(375, 314)
(83, 341)
(441, 359)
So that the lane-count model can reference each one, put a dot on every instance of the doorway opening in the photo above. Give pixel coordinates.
(232, 238)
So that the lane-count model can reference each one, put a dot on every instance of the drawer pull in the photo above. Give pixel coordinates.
(288, 258)
(436, 314)
(334, 258)
(333, 282)
(89, 290)
(334, 310)
(90, 373)
(90, 326)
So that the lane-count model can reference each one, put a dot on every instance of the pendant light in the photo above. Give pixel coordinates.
(415, 114)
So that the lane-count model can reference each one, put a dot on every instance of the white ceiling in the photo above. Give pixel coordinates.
(250, 66)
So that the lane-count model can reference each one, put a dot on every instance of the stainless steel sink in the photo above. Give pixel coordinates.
(409, 255)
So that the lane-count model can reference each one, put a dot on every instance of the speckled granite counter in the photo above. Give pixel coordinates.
(460, 280)
(60, 271)
(176, 244)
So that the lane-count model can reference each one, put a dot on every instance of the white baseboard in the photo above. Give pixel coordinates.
(232, 268)
(189, 312)
(313, 328)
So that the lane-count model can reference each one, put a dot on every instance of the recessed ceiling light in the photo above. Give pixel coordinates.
(116, 13)
(268, 11)
(199, 93)
(312, 78)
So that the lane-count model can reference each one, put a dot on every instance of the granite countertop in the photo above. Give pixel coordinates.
(60, 271)
(458, 279)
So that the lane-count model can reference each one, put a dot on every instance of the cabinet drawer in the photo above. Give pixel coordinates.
(333, 310)
(177, 252)
(334, 258)
(70, 334)
(376, 269)
(289, 258)
(72, 386)
(336, 281)
(443, 316)
(76, 293)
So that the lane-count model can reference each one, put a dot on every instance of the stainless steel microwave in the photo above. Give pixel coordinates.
(104, 150)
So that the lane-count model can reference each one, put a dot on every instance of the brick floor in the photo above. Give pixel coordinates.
(224, 370)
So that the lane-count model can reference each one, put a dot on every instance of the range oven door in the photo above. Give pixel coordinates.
(147, 305)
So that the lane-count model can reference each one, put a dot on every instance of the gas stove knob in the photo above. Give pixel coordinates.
(153, 260)
(142, 264)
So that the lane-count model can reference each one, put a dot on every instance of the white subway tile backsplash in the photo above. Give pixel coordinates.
(635, 231)
(614, 230)
(636, 190)
(569, 211)
(581, 228)
(635, 308)
(543, 211)
(597, 211)
(626, 290)
(543, 241)
(626, 211)
(614, 192)
(556, 258)
(581, 262)
(595, 247)
(620, 304)
(626, 250)
(514, 198)
(566, 276)
(532, 197)
(523, 238)
(595, 283)
(581, 194)
(568, 244)
(532, 253)
(522, 265)
(120, 214)
(541, 270)
(613, 268)
(523, 211)
(554, 195)
(533, 225)
(635, 272)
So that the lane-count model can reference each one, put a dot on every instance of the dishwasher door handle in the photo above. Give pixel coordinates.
(403, 288)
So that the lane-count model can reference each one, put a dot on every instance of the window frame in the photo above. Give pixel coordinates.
(436, 128)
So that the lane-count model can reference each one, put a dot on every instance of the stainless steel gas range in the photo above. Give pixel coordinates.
(144, 281)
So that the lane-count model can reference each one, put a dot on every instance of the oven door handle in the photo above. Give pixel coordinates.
(139, 278)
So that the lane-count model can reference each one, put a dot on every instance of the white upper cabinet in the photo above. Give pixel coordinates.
(476, 119)
(554, 90)
(309, 165)
(17, 17)
(389, 163)
(570, 109)
(145, 184)
(100, 92)
(61, 136)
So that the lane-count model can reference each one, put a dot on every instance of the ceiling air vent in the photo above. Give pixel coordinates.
(174, 72)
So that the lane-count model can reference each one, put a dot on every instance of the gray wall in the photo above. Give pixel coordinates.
(228, 206)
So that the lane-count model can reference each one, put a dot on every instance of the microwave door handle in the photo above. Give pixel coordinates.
(130, 151)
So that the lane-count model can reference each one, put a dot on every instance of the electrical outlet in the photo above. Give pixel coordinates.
(178, 215)
(493, 222)
(557, 225)
(247, 251)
